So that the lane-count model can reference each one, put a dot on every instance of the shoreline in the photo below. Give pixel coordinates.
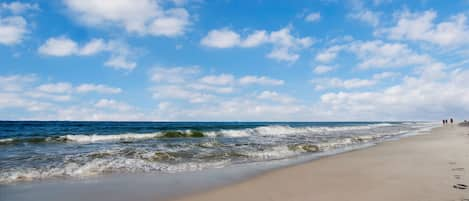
(421, 167)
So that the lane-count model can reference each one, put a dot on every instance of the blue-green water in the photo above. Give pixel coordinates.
(45, 150)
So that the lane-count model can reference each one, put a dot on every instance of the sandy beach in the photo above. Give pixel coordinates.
(425, 167)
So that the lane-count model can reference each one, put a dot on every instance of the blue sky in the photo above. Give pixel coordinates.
(234, 60)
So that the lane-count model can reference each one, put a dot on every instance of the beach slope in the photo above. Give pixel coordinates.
(425, 167)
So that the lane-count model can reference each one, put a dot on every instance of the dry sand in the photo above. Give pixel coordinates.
(418, 168)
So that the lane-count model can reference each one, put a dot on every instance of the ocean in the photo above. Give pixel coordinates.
(37, 151)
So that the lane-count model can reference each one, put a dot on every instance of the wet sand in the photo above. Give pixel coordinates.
(425, 167)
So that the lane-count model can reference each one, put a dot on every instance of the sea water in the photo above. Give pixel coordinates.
(41, 151)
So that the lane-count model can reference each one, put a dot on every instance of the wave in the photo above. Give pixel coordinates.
(101, 138)
(279, 130)
(273, 130)
(102, 166)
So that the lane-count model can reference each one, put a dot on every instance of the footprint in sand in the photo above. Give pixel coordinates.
(460, 186)
(457, 176)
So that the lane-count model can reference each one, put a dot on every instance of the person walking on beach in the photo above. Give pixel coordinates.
(443, 122)
(451, 120)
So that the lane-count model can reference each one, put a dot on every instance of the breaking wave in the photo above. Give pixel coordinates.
(188, 149)
(274, 130)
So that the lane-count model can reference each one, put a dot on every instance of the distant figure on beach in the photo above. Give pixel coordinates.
(443, 122)
(451, 120)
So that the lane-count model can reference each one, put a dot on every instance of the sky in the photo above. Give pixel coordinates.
(259, 60)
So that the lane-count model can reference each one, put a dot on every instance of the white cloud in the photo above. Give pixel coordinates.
(180, 92)
(420, 26)
(12, 30)
(173, 23)
(262, 80)
(366, 16)
(98, 88)
(282, 54)
(385, 75)
(63, 46)
(59, 46)
(222, 79)
(255, 39)
(14, 100)
(237, 109)
(285, 45)
(87, 112)
(211, 88)
(187, 84)
(14, 83)
(328, 83)
(276, 97)
(321, 69)
(17, 7)
(329, 54)
(145, 17)
(173, 74)
(422, 97)
(45, 101)
(221, 38)
(120, 62)
(48, 96)
(93, 47)
(378, 54)
(60, 87)
(113, 105)
(313, 17)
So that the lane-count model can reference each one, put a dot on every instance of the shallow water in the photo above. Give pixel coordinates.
(33, 151)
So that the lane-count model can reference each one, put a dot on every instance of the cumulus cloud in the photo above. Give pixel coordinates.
(275, 96)
(366, 16)
(15, 83)
(120, 62)
(146, 17)
(221, 38)
(376, 54)
(188, 84)
(321, 69)
(419, 97)
(173, 74)
(49, 100)
(17, 7)
(261, 80)
(60, 87)
(353, 83)
(13, 26)
(421, 26)
(60, 46)
(285, 45)
(255, 39)
(236, 109)
(12, 30)
(98, 88)
(113, 105)
(182, 93)
(328, 83)
(63, 46)
(329, 54)
(15, 100)
(313, 17)
(222, 79)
